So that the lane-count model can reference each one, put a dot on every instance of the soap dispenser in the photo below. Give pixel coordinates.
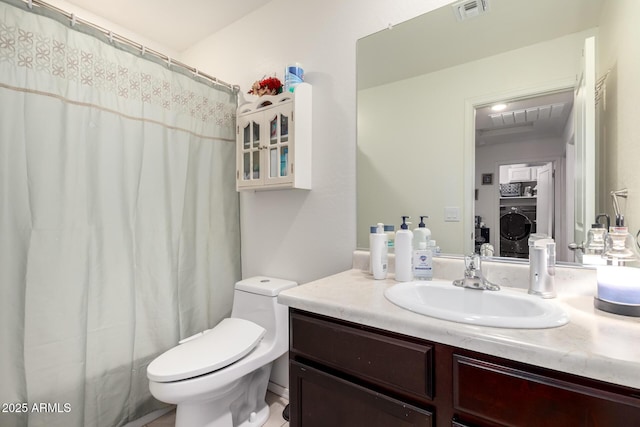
(542, 266)
(421, 234)
(404, 252)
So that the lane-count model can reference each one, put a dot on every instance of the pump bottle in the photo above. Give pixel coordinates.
(421, 234)
(404, 252)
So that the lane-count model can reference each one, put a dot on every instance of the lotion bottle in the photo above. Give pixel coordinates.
(391, 236)
(404, 256)
(421, 234)
(378, 250)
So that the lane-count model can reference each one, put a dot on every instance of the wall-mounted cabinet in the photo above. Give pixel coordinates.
(273, 137)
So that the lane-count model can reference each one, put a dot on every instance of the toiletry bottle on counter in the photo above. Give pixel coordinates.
(372, 230)
(435, 249)
(404, 256)
(391, 237)
(423, 262)
(378, 250)
(421, 234)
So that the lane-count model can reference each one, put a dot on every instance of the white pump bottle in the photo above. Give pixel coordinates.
(421, 234)
(404, 252)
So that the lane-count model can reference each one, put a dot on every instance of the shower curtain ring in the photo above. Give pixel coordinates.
(73, 20)
(30, 4)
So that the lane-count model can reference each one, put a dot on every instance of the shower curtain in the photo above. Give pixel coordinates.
(119, 220)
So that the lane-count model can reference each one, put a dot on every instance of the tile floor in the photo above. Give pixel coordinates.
(276, 404)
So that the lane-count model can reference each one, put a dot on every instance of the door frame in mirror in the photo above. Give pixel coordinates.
(469, 147)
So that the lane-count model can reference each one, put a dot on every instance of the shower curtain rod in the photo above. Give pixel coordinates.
(123, 40)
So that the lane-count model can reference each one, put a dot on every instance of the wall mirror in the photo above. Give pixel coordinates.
(428, 140)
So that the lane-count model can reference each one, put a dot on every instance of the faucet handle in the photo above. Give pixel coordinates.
(487, 250)
(473, 277)
(471, 263)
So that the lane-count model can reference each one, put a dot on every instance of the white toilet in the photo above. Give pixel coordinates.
(219, 378)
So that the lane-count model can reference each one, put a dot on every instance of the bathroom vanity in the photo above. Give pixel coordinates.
(358, 360)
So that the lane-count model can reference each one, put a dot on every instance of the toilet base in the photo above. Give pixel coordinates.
(257, 419)
(242, 404)
(221, 419)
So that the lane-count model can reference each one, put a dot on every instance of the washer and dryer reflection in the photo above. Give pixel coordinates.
(517, 223)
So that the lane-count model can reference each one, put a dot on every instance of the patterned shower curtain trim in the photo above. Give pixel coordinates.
(120, 81)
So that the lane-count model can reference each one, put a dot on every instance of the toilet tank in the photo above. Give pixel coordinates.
(256, 299)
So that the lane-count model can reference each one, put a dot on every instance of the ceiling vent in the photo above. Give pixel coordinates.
(470, 8)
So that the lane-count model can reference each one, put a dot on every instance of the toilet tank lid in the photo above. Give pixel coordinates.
(263, 285)
(229, 341)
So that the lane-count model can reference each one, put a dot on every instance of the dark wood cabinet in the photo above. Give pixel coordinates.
(382, 359)
(349, 375)
(512, 396)
(324, 400)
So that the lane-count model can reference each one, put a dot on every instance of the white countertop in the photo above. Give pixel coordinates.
(594, 344)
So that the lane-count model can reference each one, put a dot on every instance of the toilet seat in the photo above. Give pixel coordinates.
(226, 343)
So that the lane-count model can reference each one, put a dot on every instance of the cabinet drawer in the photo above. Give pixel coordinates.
(513, 397)
(322, 400)
(375, 357)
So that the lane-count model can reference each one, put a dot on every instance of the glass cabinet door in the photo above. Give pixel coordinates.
(265, 147)
(251, 140)
(278, 160)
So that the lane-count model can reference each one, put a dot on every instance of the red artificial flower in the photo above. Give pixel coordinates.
(268, 86)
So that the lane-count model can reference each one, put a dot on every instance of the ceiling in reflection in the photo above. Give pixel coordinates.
(437, 40)
(524, 120)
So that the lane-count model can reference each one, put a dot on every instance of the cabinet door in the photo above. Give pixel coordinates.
(250, 146)
(321, 400)
(519, 174)
(513, 397)
(279, 145)
(372, 357)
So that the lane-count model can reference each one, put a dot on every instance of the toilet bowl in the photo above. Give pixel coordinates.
(219, 378)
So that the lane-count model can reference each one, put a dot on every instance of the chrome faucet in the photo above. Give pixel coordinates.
(473, 277)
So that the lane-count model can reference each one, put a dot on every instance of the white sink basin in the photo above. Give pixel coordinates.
(503, 308)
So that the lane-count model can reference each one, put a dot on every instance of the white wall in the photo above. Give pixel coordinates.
(128, 33)
(295, 234)
(413, 139)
